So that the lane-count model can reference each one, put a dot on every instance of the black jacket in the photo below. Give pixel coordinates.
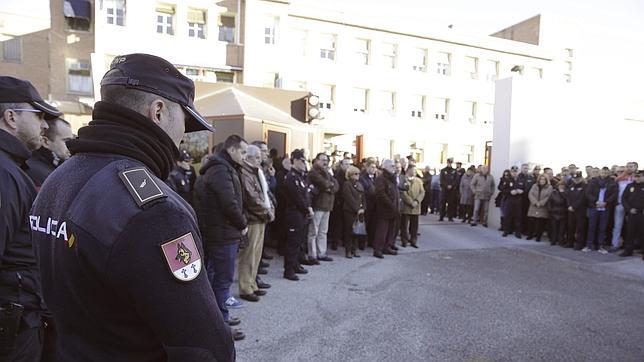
(219, 201)
(120, 253)
(507, 185)
(557, 206)
(41, 163)
(592, 191)
(449, 177)
(576, 197)
(633, 197)
(527, 181)
(183, 182)
(296, 193)
(18, 264)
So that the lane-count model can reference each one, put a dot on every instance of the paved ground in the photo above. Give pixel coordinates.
(466, 294)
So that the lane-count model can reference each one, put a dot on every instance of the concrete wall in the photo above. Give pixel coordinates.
(34, 65)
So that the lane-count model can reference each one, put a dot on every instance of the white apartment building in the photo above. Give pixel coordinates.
(391, 91)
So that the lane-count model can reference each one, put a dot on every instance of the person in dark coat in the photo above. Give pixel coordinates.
(367, 179)
(222, 221)
(633, 201)
(528, 180)
(182, 177)
(514, 191)
(427, 184)
(557, 211)
(297, 214)
(23, 115)
(336, 216)
(123, 272)
(279, 225)
(52, 153)
(601, 196)
(387, 210)
(501, 198)
(353, 207)
(449, 181)
(576, 201)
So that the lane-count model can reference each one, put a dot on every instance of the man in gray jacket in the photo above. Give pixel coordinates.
(483, 186)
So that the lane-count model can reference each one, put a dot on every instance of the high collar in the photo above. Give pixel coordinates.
(14, 148)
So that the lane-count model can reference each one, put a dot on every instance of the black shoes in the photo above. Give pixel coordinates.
(291, 276)
(309, 262)
(378, 255)
(394, 247)
(266, 256)
(238, 335)
(484, 225)
(347, 254)
(262, 271)
(301, 270)
(529, 238)
(518, 235)
(249, 297)
(451, 219)
(233, 321)
(262, 285)
(260, 292)
(440, 219)
(390, 252)
(414, 245)
(505, 234)
(326, 258)
(263, 264)
(473, 224)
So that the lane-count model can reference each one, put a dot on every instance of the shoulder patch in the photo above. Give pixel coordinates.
(141, 185)
(182, 257)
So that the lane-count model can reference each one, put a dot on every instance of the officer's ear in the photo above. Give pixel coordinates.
(9, 121)
(157, 110)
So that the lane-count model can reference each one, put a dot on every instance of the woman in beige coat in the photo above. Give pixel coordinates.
(538, 211)
(412, 198)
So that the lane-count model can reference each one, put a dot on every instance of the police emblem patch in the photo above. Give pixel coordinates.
(183, 257)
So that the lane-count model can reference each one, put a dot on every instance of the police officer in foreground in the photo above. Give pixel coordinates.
(22, 121)
(449, 182)
(297, 213)
(633, 201)
(120, 253)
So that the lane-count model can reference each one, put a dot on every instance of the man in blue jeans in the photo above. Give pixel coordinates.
(601, 195)
(223, 224)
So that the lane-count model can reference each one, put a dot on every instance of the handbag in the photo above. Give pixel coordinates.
(359, 226)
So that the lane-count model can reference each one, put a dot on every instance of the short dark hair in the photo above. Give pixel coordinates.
(317, 157)
(53, 127)
(5, 106)
(233, 141)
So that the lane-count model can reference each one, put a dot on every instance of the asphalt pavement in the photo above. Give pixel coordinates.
(466, 294)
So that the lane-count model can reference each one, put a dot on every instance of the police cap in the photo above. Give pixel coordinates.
(152, 74)
(14, 90)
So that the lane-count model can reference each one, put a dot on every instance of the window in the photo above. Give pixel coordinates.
(225, 77)
(420, 60)
(362, 47)
(440, 108)
(12, 50)
(491, 70)
(387, 102)
(227, 28)
(568, 78)
(472, 67)
(327, 46)
(326, 94)
(443, 64)
(299, 42)
(487, 113)
(389, 55)
(165, 19)
(78, 14)
(79, 78)
(418, 106)
(569, 66)
(359, 100)
(470, 111)
(469, 153)
(115, 11)
(196, 23)
(270, 30)
(536, 73)
(569, 52)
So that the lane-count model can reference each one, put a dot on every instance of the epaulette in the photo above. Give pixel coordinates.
(141, 185)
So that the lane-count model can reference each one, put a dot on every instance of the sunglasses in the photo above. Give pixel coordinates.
(41, 114)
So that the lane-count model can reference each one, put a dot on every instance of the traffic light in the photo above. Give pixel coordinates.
(312, 108)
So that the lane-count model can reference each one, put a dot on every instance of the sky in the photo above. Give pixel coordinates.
(610, 49)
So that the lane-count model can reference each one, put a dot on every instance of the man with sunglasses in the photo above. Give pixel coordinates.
(23, 115)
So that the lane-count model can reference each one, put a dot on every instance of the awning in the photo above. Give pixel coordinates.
(80, 9)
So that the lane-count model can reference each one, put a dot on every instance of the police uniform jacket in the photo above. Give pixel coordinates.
(219, 201)
(633, 198)
(387, 196)
(182, 182)
(576, 196)
(527, 181)
(120, 252)
(296, 193)
(325, 187)
(449, 177)
(592, 191)
(508, 185)
(19, 277)
(41, 163)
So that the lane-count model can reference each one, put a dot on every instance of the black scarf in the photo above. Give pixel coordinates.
(120, 130)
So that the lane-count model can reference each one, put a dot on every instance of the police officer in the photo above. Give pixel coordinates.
(297, 213)
(53, 152)
(576, 200)
(516, 188)
(527, 180)
(120, 253)
(182, 177)
(22, 122)
(449, 189)
(633, 201)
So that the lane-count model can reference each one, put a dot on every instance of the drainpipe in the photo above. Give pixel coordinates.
(238, 23)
